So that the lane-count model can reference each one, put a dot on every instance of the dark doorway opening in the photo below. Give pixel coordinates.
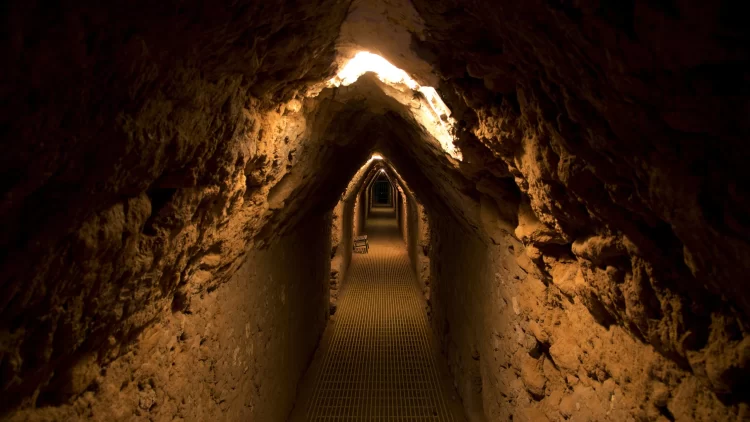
(382, 193)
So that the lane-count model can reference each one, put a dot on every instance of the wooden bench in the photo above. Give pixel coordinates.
(361, 245)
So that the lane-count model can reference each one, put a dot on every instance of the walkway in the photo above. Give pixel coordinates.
(378, 362)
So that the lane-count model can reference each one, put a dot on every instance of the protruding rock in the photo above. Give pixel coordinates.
(532, 376)
(565, 354)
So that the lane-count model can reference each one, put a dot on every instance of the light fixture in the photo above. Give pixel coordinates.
(373, 158)
(363, 62)
(436, 117)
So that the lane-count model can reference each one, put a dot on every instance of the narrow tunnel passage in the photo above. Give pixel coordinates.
(566, 176)
(379, 360)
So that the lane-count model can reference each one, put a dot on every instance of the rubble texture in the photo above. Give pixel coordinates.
(169, 179)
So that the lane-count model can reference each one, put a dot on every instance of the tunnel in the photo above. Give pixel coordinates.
(375, 210)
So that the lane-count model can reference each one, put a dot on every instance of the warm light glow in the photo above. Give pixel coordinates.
(437, 120)
(367, 62)
(373, 158)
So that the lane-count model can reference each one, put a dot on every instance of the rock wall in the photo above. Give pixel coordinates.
(413, 230)
(523, 349)
(423, 253)
(358, 216)
(142, 142)
(340, 253)
(458, 300)
(607, 120)
(235, 353)
(150, 147)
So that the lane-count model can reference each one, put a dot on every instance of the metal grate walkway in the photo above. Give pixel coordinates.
(379, 364)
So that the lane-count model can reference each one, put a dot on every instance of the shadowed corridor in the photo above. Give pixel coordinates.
(378, 359)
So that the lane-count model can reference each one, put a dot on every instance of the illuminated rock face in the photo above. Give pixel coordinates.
(425, 104)
(165, 165)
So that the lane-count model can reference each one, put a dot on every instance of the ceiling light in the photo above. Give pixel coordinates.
(367, 62)
(435, 118)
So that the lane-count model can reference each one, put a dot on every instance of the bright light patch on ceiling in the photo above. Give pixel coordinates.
(438, 121)
(367, 62)
(373, 158)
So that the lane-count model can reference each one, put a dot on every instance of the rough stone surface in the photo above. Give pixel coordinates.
(611, 130)
(587, 257)
(236, 353)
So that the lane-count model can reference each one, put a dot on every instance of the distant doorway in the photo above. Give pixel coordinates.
(382, 193)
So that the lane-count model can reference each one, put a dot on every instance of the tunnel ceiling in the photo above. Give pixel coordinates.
(145, 141)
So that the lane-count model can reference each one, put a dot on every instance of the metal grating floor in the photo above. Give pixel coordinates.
(380, 365)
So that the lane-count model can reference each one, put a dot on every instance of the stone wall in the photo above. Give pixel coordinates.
(151, 146)
(520, 347)
(358, 217)
(340, 252)
(458, 299)
(411, 230)
(596, 132)
(142, 142)
(235, 353)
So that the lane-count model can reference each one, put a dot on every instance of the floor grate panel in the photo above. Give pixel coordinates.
(379, 365)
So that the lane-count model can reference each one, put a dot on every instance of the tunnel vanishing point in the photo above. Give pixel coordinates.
(554, 194)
